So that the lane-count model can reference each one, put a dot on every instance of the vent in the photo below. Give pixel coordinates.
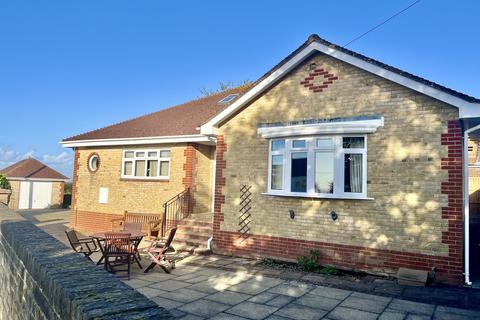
(228, 98)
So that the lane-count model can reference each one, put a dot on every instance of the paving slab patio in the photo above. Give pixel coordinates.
(219, 287)
(200, 291)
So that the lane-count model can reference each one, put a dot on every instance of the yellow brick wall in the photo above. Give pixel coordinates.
(57, 194)
(203, 180)
(404, 164)
(128, 194)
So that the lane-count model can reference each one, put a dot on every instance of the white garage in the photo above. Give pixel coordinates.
(34, 185)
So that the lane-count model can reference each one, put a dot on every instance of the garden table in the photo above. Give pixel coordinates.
(135, 236)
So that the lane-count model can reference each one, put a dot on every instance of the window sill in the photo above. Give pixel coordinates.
(312, 196)
(145, 179)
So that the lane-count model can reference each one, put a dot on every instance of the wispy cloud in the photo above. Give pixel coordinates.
(59, 159)
(8, 156)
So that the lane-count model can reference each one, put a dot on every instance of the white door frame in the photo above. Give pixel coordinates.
(466, 203)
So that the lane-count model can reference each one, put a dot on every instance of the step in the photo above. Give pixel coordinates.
(195, 250)
(192, 236)
(192, 222)
(194, 229)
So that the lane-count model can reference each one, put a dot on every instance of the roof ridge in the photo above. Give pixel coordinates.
(242, 86)
(317, 38)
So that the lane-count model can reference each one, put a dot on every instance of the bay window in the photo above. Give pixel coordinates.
(146, 164)
(318, 166)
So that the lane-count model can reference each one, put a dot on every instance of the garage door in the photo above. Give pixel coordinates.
(35, 195)
(41, 195)
(24, 195)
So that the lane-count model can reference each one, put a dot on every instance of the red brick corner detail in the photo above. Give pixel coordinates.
(221, 164)
(453, 189)
(73, 206)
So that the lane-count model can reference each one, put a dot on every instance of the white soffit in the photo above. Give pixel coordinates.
(466, 109)
(331, 127)
(138, 141)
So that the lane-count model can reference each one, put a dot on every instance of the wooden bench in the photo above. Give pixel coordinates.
(151, 222)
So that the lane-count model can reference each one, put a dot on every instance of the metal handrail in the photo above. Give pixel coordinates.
(175, 209)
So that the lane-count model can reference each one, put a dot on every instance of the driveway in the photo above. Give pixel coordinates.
(53, 221)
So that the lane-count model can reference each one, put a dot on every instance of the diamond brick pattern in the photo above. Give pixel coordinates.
(318, 80)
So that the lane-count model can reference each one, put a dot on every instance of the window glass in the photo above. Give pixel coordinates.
(299, 172)
(165, 154)
(324, 172)
(277, 173)
(140, 154)
(353, 142)
(152, 154)
(140, 168)
(152, 168)
(353, 172)
(129, 154)
(164, 168)
(299, 144)
(325, 143)
(127, 169)
(93, 163)
(278, 145)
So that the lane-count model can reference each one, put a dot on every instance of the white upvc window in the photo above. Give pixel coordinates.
(146, 164)
(319, 166)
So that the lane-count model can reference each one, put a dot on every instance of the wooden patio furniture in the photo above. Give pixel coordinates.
(118, 251)
(87, 246)
(158, 254)
(151, 223)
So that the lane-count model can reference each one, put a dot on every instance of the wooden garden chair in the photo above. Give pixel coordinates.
(158, 254)
(118, 251)
(87, 246)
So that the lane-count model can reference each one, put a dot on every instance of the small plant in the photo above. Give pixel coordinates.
(329, 271)
(308, 262)
(4, 184)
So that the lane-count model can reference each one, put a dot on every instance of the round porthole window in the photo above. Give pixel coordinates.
(93, 162)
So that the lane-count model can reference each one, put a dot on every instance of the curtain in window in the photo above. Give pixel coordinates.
(353, 173)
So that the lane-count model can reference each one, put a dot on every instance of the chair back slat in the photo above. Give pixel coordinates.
(72, 237)
(118, 243)
(169, 241)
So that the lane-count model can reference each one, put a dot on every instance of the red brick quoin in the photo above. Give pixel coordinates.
(449, 268)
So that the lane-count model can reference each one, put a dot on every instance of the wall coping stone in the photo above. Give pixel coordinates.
(75, 288)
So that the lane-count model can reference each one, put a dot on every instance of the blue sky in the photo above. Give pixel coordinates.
(67, 67)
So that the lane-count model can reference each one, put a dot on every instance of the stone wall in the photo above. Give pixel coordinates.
(41, 279)
(412, 168)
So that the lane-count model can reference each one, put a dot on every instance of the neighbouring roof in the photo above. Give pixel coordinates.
(183, 119)
(32, 169)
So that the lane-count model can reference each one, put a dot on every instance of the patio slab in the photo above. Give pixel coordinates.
(212, 288)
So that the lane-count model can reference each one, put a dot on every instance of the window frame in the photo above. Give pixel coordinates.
(311, 148)
(146, 158)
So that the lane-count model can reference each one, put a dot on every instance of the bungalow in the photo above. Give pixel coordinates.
(329, 150)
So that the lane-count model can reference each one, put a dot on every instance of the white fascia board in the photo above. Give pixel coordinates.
(341, 127)
(466, 109)
(198, 138)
